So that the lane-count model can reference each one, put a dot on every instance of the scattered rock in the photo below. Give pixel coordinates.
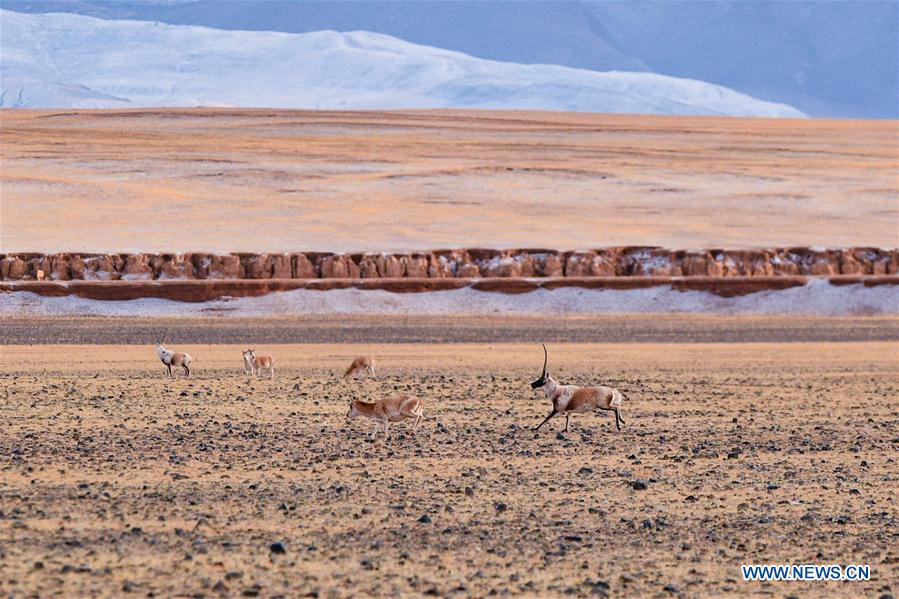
(670, 588)
(277, 548)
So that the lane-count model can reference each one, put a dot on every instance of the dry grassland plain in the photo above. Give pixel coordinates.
(115, 479)
(277, 180)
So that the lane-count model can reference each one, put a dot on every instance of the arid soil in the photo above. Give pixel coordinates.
(285, 181)
(116, 481)
(433, 329)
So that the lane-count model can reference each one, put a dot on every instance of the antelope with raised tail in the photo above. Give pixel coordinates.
(254, 364)
(394, 409)
(359, 364)
(568, 399)
(172, 358)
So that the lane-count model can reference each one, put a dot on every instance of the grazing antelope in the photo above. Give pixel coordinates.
(172, 358)
(360, 363)
(254, 364)
(394, 409)
(568, 399)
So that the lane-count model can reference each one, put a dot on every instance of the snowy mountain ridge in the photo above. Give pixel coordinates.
(69, 61)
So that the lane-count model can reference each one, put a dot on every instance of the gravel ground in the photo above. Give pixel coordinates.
(115, 481)
(459, 329)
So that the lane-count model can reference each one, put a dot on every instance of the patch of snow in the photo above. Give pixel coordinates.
(817, 298)
(498, 261)
(97, 275)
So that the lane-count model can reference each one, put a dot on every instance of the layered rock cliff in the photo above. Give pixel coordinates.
(442, 264)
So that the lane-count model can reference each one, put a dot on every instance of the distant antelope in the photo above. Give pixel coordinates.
(571, 398)
(360, 363)
(254, 364)
(171, 358)
(394, 409)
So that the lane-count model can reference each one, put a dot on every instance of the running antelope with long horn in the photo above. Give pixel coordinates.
(568, 399)
(254, 364)
(394, 409)
(172, 358)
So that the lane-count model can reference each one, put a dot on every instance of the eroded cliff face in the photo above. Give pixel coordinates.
(444, 264)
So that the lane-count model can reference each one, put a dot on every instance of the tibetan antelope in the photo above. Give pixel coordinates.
(359, 364)
(568, 399)
(254, 364)
(394, 409)
(172, 358)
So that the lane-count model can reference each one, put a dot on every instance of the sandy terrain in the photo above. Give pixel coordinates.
(117, 480)
(257, 180)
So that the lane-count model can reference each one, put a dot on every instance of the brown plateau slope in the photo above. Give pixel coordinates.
(448, 264)
(262, 180)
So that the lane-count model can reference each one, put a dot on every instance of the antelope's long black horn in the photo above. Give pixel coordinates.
(164, 333)
(545, 359)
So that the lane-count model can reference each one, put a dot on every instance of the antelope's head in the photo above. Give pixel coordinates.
(160, 349)
(542, 380)
(249, 355)
(353, 411)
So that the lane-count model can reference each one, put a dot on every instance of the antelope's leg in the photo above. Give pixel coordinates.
(273, 373)
(169, 366)
(567, 421)
(614, 409)
(186, 370)
(417, 420)
(545, 420)
(386, 428)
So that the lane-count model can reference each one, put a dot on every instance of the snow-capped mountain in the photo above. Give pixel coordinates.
(66, 60)
(827, 58)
